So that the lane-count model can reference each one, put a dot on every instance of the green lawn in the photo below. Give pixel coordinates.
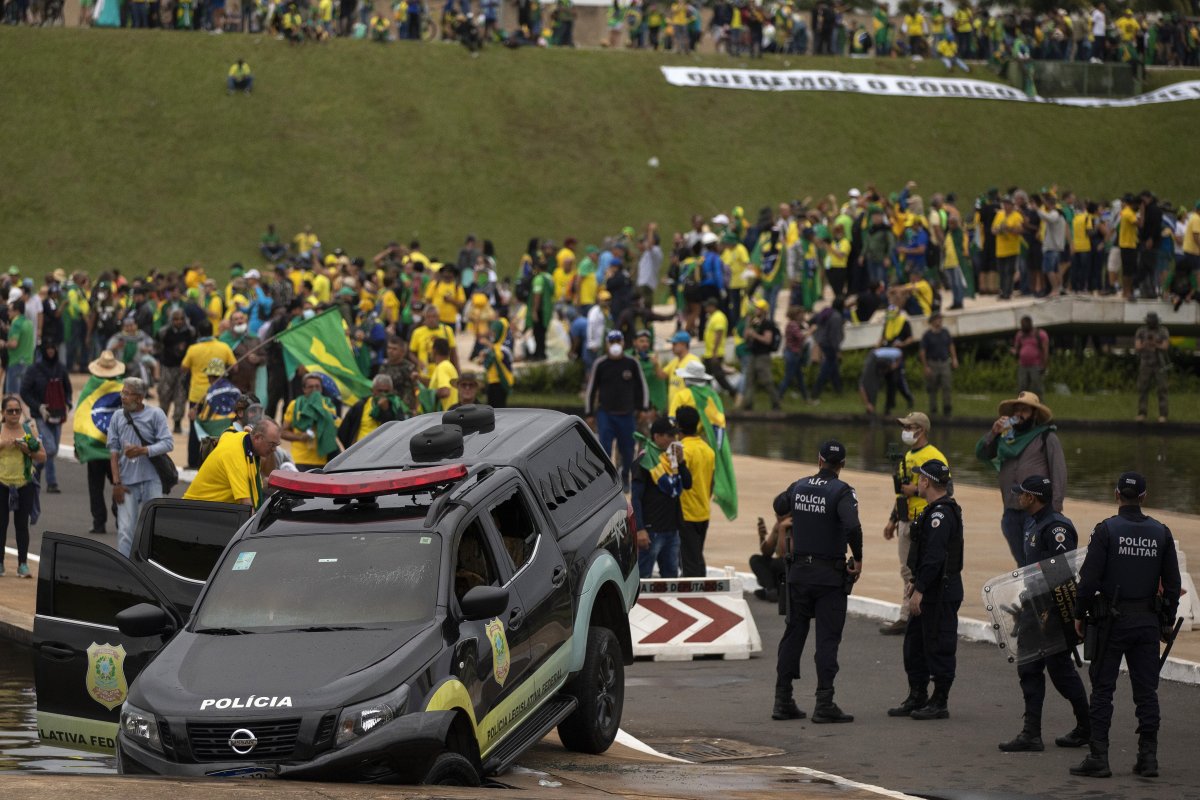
(122, 148)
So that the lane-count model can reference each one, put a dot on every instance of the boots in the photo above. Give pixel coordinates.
(936, 707)
(1096, 764)
(826, 710)
(918, 695)
(1082, 734)
(1147, 757)
(1029, 740)
(785, 705)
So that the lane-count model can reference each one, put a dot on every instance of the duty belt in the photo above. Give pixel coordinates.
(810, 559)
(1145, 605)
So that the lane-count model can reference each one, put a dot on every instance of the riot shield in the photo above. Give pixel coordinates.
(1032, 609)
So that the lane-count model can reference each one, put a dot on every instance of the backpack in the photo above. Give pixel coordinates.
(524, 288)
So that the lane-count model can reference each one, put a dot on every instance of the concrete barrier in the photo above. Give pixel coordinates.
(677, 619)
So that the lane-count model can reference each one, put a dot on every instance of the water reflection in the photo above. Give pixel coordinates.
(20, 748)
(1094, 457)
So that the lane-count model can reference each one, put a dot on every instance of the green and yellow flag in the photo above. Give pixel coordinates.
(320, 344)
(708, 403)
(99, 399)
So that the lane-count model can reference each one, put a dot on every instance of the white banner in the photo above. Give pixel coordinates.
(799, 80)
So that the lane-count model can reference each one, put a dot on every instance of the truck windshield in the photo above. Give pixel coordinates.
(323, 582)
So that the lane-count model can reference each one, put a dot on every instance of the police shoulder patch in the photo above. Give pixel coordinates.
(935, 519)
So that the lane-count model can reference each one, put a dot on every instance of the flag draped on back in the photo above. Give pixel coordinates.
(219, 409)
(98, 400)
(724, 481)
(320, 345)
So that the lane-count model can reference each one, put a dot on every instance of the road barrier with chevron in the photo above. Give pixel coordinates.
(677, 619)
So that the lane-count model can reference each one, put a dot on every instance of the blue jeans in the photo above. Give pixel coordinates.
(830, 371)
(1012, 525)
(876, 272)
(793, 372)
(136, 494)
(958, 284)
(243, 85)
(619, 427)
(51, 435)
(663, 551)
(12, 379)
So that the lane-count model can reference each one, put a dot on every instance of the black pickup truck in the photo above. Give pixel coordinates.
(433, 602)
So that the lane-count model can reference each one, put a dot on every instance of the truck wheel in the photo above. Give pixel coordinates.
(600, 690)
(451, 769)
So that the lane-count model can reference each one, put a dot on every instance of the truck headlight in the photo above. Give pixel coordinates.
(141, 726)
(362, 718)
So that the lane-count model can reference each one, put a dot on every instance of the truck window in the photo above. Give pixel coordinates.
(517, 529)
(473, 563)
(90, 586)
(571, 476)
(188, 541)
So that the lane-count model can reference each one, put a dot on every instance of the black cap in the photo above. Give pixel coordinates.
(1131, 484)
(663, 425)
(1036, 485)
(936, 471)
(833, 452)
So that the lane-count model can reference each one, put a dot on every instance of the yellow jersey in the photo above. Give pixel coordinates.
(444, 376)
(674, 382)
(1008, 244)
(306, 452)
(702, 463)
(1127, 229)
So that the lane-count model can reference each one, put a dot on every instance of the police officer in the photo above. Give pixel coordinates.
(936, 592)
(1129, 557)
(1047, 534)
(824, 512)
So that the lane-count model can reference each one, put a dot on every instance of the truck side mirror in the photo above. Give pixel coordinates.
(483, 602)
(145, 619)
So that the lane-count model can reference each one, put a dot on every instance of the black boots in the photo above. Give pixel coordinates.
(785, 705)
(1147, 758)
(1029, 740)
(1078, 737)
(1096, 764)
(826, 710)
(936, 707)
(918, 696)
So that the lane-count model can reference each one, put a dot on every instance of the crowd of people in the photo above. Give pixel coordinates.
(1095, 33)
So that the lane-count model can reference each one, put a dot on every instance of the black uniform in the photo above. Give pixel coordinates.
(824, 513)
(1048, 534)
(936, 560)
(1133, 553)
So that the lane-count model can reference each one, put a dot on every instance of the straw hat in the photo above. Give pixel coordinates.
(106, 366)
(693, 371)
(1042, 412)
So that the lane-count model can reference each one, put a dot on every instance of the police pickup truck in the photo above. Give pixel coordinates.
(424, 609)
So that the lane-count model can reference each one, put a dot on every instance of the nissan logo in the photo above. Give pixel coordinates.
(242, 741)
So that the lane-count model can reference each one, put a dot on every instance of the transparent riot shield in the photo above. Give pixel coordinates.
(1032, 609)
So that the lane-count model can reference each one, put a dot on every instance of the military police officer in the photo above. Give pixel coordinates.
(824, 513)
(936, 592)
(1130, 556)
(1047, 534)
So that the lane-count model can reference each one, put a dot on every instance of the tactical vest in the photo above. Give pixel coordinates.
(950, 579)
(1135, 557)
(1036, 548)
(816, 529)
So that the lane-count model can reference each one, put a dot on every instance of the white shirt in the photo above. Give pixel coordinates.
(1099, 26)
(595, 328)
(33, 310)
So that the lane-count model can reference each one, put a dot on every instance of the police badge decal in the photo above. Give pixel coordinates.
(106, 674)
(500, 657)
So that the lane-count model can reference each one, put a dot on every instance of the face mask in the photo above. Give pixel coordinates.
(614, 350)
(309, 313)
(908, 437)
(239, 329)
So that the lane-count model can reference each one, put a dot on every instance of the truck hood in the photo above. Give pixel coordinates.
(257, 674)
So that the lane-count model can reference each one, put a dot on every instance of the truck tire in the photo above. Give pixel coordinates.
(451, 769)
(599, 688)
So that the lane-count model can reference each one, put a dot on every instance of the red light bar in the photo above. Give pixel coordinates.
(366, 483)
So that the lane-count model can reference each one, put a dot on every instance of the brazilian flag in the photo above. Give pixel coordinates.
(99, 399)
(320, 344)
(708, 403)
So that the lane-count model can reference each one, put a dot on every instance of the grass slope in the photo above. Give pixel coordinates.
(122, 149)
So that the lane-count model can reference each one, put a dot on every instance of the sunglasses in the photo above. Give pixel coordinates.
(12, 411)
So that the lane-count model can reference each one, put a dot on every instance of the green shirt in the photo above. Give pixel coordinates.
(22, 331)
(541, 291)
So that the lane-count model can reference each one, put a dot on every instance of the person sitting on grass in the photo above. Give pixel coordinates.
(240, 78)
(381, 28)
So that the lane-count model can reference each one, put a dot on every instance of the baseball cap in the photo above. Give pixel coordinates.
(643, 334)
(663, 425)
(615, 336)
(936, 471)
(720, 219)
(604, 294)
(854, 193)
(917, 418)
(1131, 484)
(681, 337)
(1036, 485)
(833, 452)
(468, 376)
(253, 275)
